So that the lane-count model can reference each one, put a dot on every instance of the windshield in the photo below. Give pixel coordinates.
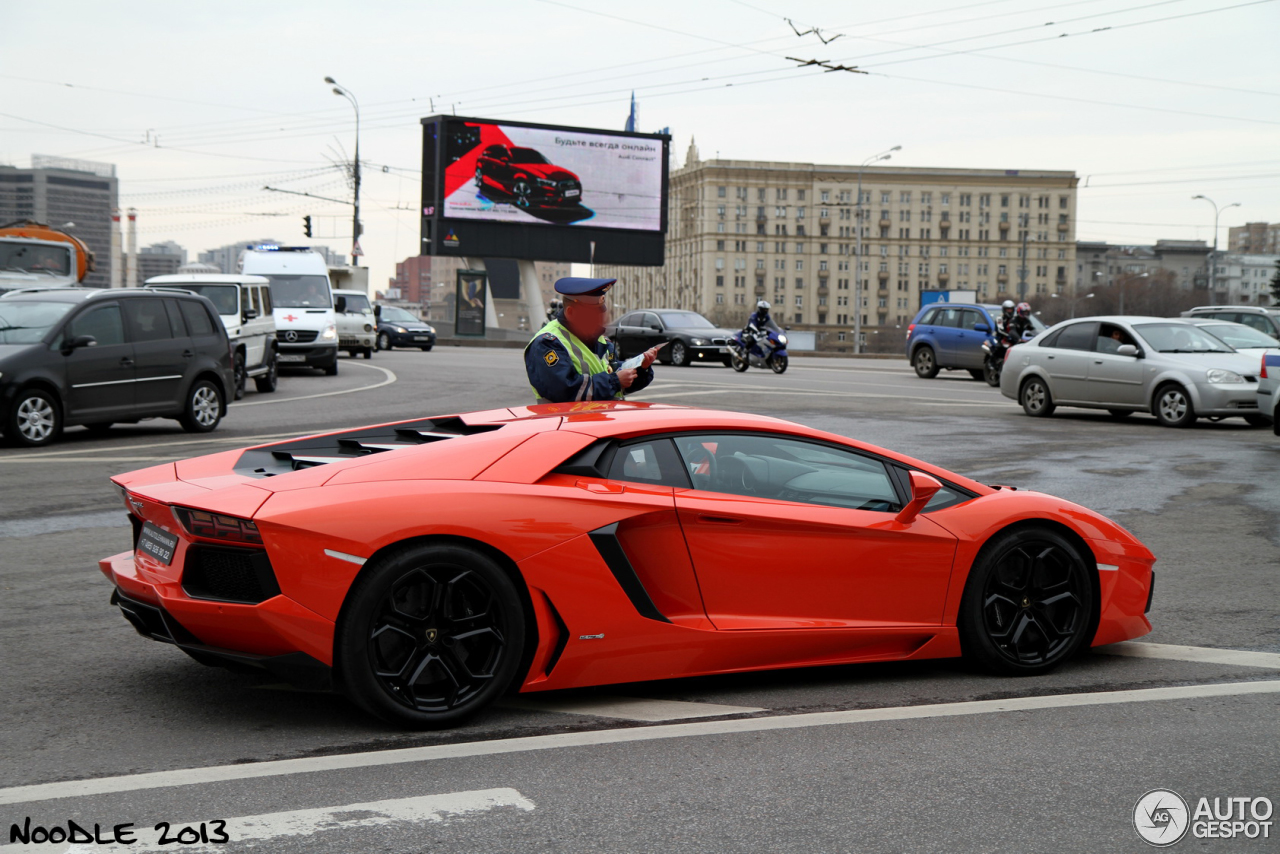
(397, 315)
(26, 321)
(225, 298)
(685, 320)
(1240, 336)
(35, 258)
(1180, 338)
(357, 303)
(526, 155)
(288, 291)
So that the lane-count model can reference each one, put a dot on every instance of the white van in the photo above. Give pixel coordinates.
(356, 323)
(302, 303)
(244, 306)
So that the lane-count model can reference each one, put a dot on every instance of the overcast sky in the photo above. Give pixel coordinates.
(1153, 101)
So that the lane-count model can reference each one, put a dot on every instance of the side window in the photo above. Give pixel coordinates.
(265, 293)
(1078, 336)
(650, 320)
(1258, 322)
(1110, 337)
(148, 320)
(198, 322)
(785, 469)
(652, 461)
(104, 323)
(632, 319)
(970, 318)
(930, 317)
(175, 318)
(1052, 339)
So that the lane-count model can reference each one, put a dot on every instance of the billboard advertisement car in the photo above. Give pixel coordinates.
(517, 190)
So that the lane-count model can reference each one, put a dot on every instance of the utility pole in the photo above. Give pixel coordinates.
(1213, 263)
(355, 174)
(1023, 222)
(857, 259)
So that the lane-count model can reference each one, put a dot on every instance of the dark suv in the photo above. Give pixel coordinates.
(94, 357)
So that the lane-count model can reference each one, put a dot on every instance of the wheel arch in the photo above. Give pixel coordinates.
(213, 377)
(1169, 378)
(46, 385)
(501, 558)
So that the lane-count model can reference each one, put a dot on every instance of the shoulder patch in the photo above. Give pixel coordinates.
(547, 336)
(551, 358)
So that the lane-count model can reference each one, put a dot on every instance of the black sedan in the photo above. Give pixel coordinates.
(399, 328)
(692, 337)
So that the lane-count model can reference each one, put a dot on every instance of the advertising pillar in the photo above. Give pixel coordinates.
(471, 305)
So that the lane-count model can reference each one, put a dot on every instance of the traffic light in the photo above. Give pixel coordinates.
(306, 225)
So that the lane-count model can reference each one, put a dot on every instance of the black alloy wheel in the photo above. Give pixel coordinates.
(430, 635)
(925, 363)
(266, 383)
(679, 354)
(1028, 604)
(239, 375)
(738, 361)
(778, 364)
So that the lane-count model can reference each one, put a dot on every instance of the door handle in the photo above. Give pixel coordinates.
(126, 362)
(187, 354)
(718, 520)
(1097, 361)
(1048, 357)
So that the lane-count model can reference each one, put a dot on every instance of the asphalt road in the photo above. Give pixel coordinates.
(82, 697)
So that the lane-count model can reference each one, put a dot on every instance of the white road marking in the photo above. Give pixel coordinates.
(388, 379)
(308, 765)
(88, 457)
(628, 708)
(1204, 654)
(661, 393)
(296, 823)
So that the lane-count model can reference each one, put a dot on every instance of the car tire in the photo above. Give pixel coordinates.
(1028, 604)
(384, 341)
(239, 377)
(980, 375)
(1172, 406)
(1119, 414)
(266, 383)
(426, 349)
(367, 353)
(679, 355)
(35, 419)
(992, 373)
(204, 407)
(1035, 398)
(331, 370)
(1257, 420)
(429, 636)
(925, 363)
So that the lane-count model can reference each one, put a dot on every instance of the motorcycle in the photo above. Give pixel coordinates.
(761, 348)
(997, 348)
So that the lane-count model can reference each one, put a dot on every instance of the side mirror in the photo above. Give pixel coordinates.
(340, 305)
(656, 328)
(1127, 350)
(79, 341)
(250, 314)
(923, 488)
(981, 327)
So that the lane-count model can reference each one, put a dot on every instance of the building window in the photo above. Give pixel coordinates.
(825, 195)
(719, 299)
(799, 282)
(720, 195)
(1062, 202)
(1004, 200)
(946, 199)
(719, 263)
(799, 263)
(719, 245)
(781, 194)
(799, 300)
(719, 281)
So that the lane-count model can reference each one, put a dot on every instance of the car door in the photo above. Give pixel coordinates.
(651, 332)
(1114, 378)
(946, 335)
(254, 332)
(789, 533)
(1066, 359)
(624, 333)
(100, 378)
(161, 358)
(969, 352)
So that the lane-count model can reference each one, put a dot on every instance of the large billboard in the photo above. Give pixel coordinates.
(553, 193)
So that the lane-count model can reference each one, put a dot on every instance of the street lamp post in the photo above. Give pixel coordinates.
(857, 259)
(1213, 262)
(355, 173)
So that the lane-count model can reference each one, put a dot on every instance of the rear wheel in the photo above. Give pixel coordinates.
(1173, 407)
(367, 352)
(34, 420)
(204, 408)
(266, 383)
(679, 354)
(925, 363)
(1028, 604)
(429, 636)
(1035, 398)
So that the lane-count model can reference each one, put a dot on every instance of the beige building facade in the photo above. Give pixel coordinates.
(1254, 238)
(740, 231)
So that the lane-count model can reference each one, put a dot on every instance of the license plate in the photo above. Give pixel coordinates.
(569, 193)
(157, 543)
(288, 357)
(723, 349)
(422, 338)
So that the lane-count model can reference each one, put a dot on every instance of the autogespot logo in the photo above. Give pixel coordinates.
(1161, 817)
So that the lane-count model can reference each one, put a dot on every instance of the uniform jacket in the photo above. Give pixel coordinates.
(553, 376)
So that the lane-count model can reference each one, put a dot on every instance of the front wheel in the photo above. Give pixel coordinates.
(204, 408)
(1035, 398)
(266, 383)
(430, 635)
(778, 364)
(1173, 407)
(35, 419)
(331, 370)
(679, 354)
(1028, 604)
(384, 341)
(925, 364)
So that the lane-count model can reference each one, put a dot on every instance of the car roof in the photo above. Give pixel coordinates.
(75, 294)
(347, 292)
(987, 306)
(1248, 309)
(1129, 319)
(207, 279)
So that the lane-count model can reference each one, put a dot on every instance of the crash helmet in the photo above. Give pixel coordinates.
(1024, 309)
(1007, 307)
(763, 306)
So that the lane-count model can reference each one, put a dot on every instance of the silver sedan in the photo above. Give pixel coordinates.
(1168, 367)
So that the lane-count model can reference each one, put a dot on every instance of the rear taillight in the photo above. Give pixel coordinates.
(910, 329)
(1263, 373)
(218, 527)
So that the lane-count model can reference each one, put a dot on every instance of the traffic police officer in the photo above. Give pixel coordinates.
(564, 368)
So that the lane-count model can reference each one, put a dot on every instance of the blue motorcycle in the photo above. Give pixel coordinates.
(761, 348)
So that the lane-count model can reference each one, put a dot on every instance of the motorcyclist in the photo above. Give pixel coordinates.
(760, 321)
(1020, 324)
(1007, 313)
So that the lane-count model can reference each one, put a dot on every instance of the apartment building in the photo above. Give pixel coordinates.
(740, 231)
(1254, 238)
